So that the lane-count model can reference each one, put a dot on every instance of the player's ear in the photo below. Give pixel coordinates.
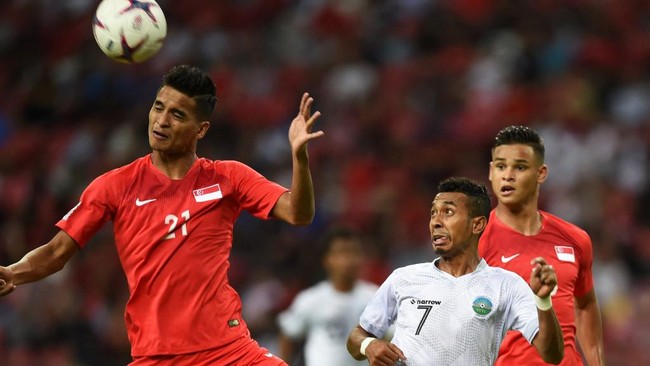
(203, 129)
(478, 224)
(542, 173)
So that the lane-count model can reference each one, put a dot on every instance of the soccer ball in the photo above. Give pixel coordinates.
(129, 31)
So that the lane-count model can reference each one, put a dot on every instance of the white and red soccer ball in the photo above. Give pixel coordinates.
(129, 31)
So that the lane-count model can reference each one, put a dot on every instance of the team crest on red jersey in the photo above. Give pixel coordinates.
(565, 254)
(209, 193)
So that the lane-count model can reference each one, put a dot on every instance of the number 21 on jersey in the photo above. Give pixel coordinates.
(172, 221)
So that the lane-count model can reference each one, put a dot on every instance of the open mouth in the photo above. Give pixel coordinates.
(506, 189)
(439, 239)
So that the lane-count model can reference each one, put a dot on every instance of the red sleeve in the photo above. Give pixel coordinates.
(585, 280)
(256, 194)
(89, 215)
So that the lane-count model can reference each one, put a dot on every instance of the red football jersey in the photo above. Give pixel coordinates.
(564, 246)
(174, 238)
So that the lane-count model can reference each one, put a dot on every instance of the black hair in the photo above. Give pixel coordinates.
(479, 198)
(196, 84)
(337, 233)
(520, 135)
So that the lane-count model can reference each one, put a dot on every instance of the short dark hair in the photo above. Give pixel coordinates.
(196, 84)
(338, 233)
(520, 135)
(479, 198)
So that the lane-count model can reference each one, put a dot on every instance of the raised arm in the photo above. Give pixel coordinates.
(297, 206)
(38, 263)
(548, 341)
(590, 329)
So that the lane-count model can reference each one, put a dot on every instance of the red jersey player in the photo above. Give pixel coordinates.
(173, 216)
(518, 231)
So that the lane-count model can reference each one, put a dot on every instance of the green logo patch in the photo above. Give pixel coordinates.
(482, 305)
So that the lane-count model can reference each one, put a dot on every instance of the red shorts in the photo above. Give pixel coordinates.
(243, 352)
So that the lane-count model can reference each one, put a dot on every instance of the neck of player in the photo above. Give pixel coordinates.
(460, 264)
(173, 166)
(526, 220)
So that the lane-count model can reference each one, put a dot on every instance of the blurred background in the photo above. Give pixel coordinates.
(411, 91)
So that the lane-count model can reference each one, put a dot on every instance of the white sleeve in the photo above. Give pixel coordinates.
(523, 312)
(293, 322)
(381, 311)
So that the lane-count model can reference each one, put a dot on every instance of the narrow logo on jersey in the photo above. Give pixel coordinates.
(425, 302)
(209, 193)
(142, 203)
(505, 259)
(482, 305)
(565, 254)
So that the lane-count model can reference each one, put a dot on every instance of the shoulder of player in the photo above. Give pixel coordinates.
(366, 286)
(313, 293)
(124, 172)
(225, 164)
(228, 168)
(502, 273)
(492, 270)
(413, 269)
(579, 235)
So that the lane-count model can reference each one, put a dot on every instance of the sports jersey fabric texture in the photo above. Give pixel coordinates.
(445, 320)
(324, 317)
(569, 250)
(173, 238)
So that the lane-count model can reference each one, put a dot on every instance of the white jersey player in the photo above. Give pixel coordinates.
(323, 315)
(445, 320)
(457, 309)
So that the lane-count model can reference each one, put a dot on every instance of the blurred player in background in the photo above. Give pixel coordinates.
(456, 309)
(323, 314)
(518, 231)
(173, 215)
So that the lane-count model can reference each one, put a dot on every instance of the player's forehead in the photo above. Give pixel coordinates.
(514, 153)
(455, 199)
(172, 98)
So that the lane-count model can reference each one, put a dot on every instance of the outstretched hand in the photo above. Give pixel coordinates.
(301, 126)
(543, 278)
(6, 281)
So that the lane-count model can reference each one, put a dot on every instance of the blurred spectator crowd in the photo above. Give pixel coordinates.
(411, 92)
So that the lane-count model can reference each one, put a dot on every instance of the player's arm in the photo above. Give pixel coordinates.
(297, 206)
(362, 344)
(38, 263)
(589, 328)
(548, 341)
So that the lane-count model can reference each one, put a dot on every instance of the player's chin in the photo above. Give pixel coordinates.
(440, 249)
(157, 144)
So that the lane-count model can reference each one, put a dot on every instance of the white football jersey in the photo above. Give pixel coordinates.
(324, 317)
(445, 320)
